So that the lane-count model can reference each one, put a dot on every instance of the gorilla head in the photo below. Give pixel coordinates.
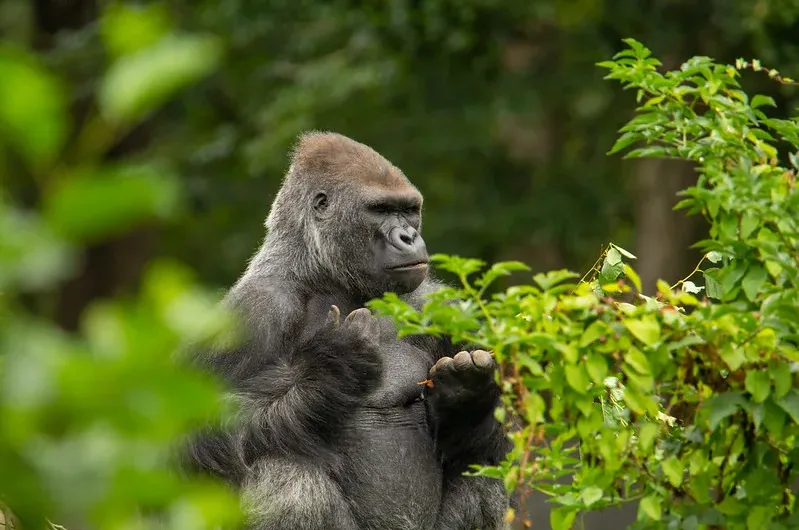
(349, 218)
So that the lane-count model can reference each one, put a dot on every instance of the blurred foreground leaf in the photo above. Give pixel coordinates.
(138, 83)
(33, 113)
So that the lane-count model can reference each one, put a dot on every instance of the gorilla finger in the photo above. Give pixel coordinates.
(482, 359)
(443, 363)
(462, 360)
(333, 317)
(360, 316)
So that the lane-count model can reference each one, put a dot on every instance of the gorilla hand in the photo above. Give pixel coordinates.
(461, 395)
(462, 378)
(360, 324)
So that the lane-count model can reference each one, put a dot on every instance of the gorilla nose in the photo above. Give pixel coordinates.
(405, 238)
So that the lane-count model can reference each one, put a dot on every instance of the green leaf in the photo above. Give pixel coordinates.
(646, 329)
(722, 406)
(94, 205)
(712, 283)
(626, 253)
(456, 264)
(624, 140)
(759, 517)
(633, 276)
(714, 257)
(690, 287)
(760, 100)
(138, 83)
(753, 281)
(505, 268)
(33, 109)
(790, 404)
(650, 507)
(774, 418)
(748, 225)
(597, 367)
(577, 377)
(673, 469)
(591, 495)
(638, 361)
(562, 518)
(646, 437)
(780, 373)
(610, 272)
(613, 257)
(758, 384)
(639, 403)
(127, 28)
(732, 355)
(593, 332)
(552, 278)
(730, 276)
(31, 256)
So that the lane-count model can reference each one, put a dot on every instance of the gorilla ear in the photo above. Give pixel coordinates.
(320, 202)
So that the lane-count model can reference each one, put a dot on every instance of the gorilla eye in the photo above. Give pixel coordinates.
(320, 202)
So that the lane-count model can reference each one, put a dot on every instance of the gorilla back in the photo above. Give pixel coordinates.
(334, 430)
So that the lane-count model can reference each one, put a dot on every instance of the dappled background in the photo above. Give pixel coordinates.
(495, 110)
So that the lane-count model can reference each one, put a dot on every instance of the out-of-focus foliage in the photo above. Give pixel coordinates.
(686, 402)
(493, 108)
(89, 421)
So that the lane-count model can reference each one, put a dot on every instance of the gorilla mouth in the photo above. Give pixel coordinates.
(416, 265)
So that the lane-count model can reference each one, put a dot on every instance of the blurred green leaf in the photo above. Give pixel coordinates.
(646, 329)
(31, 256)
(95, 204)
(130, 28)
(758, 385)
(33, 113)
(138, 83)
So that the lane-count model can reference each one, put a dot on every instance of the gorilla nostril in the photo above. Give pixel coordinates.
(406, 238)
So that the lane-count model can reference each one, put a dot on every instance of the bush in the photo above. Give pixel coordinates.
(88, 421)
(685, 401)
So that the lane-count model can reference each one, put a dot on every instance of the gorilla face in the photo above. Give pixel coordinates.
(377, 234)
(399, 250)
(349, 218)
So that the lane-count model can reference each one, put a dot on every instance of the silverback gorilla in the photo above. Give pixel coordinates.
(336, 433)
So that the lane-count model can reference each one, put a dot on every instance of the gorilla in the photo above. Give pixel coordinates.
(334, 430)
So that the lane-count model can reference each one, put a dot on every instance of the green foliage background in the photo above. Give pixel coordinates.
(495, 109)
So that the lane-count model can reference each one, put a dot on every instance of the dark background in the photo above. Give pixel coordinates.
(493, 108)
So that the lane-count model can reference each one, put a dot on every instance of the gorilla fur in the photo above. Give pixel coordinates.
(334, 431)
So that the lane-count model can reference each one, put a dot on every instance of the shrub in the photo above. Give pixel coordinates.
(685, 401)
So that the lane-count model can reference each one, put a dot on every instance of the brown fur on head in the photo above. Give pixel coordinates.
(333, 163)
(336, 198)
(334, 158)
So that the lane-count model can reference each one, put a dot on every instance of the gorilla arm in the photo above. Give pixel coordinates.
(294, 394)
(461, 404)
(295, 402)
(461, 407)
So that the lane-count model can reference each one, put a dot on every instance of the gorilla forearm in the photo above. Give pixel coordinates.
(473, 502)
(296, 401)
(289, 494)
(462, 442)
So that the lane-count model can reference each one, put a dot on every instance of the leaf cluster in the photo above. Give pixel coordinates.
(686, 401)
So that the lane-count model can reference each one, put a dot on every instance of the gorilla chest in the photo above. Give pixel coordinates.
(394, 476)
(404, 367)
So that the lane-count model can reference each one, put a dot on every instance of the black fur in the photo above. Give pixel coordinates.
(334, 432)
